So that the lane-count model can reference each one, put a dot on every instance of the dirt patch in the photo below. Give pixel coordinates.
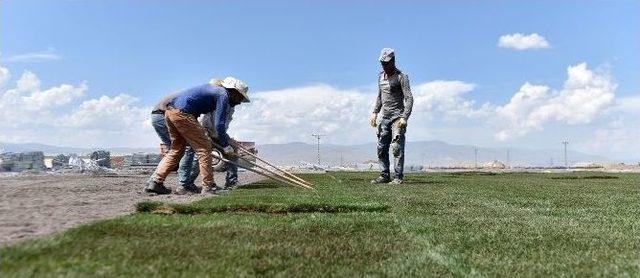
(36, 205)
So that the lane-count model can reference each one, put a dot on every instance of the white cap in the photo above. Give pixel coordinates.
(241, 87)
(386, 54)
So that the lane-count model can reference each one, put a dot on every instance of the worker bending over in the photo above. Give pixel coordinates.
(208, 121)
(181, 120)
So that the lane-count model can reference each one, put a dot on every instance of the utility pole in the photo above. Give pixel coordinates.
(508, 159)
(566, 161)
(422, 159)
(475, 157)
(317, 136)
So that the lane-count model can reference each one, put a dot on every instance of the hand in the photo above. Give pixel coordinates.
(372, 119)
(233, 142)
(229, 151)
(402, 123)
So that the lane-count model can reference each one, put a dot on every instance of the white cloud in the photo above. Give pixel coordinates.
(293, 114)
(4, 76)
(620, 137)
(49, 54)
(108, 113)
(443, 110)
(520, 41)
(585, 95)
(29, 113)
(615, 142)
(443, 98)
(27, 103)
(517, 111)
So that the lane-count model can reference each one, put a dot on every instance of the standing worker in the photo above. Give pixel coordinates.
(394, 103)
(182, 121)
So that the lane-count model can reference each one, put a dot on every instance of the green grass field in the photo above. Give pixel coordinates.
(478, 224)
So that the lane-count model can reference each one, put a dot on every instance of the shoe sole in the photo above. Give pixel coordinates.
(156, 192)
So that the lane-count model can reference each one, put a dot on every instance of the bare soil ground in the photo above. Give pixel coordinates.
(36, 205)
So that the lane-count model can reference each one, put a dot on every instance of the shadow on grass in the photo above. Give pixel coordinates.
(258, 185)
(584, 177)
(422, 182)
(470, 173)
(272, 208)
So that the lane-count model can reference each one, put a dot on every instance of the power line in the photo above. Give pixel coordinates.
(566, 161)
(317, 136)
(508, 159)
(475, 157)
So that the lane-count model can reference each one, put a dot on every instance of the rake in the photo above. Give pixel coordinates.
(265, 171)
(285, 173)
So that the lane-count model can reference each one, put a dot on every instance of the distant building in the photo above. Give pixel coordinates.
(16, 162)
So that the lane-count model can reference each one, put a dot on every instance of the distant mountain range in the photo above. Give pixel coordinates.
(51, 150)
(434, 153)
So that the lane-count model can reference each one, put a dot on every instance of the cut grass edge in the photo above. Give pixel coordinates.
(271, 208)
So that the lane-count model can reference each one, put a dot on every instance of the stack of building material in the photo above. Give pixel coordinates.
(101, 158)
(118, 162)
(16, 162)
(60, 161)
(142, 159)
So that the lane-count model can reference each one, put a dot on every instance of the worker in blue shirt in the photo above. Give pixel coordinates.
(182, 122)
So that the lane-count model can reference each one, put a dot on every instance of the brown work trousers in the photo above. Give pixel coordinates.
(185, 129)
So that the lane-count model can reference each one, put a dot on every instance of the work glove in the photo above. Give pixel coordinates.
(229, 151)
(402, 123)
(372, 119)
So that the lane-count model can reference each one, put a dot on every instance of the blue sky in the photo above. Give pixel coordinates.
(148, 48)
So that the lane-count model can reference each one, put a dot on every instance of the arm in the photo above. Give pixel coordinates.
(221, 119)
(209, 123)
(408, 97)
(378, 105)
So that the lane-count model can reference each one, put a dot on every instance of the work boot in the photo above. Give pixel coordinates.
(156, 187)
(381, 180)
(396, 181)
(211, 190)
(231, 185)
(189, 188)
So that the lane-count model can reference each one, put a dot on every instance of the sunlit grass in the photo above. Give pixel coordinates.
(520, 224)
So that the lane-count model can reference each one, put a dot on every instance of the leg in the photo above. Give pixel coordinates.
(384, 140)
(232, 172)
(397, 148)
(187, 174)
(178, 145)
(160, 126)
(195, 136)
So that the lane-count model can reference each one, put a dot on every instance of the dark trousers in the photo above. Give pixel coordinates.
(390, 136)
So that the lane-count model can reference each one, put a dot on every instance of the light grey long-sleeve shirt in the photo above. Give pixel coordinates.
(163, 104)
(394, 96)
(208, 121)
